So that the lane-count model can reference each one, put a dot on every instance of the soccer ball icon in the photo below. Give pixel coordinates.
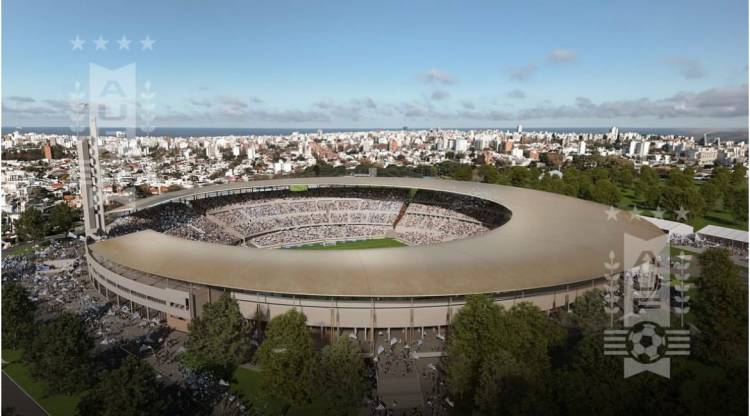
(646, 342)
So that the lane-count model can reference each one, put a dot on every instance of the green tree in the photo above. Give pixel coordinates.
(61, 218)
(475, 332)
(605, 192)
(484, 332)
(680, 179)
(287, 359)
(341, 376)
(737, 204)
(130, 390)
(592, 383)
(720, 310)
(675, 198)
(61, 354)
(18, 317)
(722, 176)
(711, 194)
(463, 173)
(588, 312)
(739, 176)
(219, 340)
(622, 175)
(502, 380)
(520, 176)
(30, 225)
(489, 174)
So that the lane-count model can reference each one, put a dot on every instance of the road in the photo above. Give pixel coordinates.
(19, 400)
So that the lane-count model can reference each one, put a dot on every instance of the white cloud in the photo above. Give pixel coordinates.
(562, 55)
(435, 75)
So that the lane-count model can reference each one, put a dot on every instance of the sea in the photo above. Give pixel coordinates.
(238, 131)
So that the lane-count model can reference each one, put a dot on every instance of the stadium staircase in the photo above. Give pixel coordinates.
(401, 213)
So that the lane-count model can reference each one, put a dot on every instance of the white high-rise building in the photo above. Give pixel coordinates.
(520, 129)
(461, 145)
(613, 134)
(631, 148)
(642, 148)
(581, 147)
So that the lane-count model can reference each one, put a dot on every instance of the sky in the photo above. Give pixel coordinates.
(385, 64)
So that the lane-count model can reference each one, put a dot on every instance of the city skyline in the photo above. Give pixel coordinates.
(338, 65)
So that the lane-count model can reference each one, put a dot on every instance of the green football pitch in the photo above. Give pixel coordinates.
(353, 245)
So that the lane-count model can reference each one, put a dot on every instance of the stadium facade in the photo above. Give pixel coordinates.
(553, 249)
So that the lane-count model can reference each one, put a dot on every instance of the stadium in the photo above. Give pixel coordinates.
(168, 255)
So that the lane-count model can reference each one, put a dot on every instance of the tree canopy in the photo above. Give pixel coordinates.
(61, 218)
(30, 225)
(219, 339)
(341, 376)
(720, 309)
(492, 353)
(61, 354)
(130, 390)
(287, 359)
(18, 317)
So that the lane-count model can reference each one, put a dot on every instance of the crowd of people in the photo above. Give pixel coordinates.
(260, 217)
(278, 218)
(174, 219)
(322, 233)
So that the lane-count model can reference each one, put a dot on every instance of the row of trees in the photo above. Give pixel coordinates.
(292, 372)
(605, 180)
(595, 178)
(518, 361)
(33, 225)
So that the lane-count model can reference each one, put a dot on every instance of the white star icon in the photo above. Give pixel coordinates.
(124, 43)
(101, 43)
(78, 43)
(147, 43)
(682, 214)
(635, 213)
(658, 213)
(612, 213)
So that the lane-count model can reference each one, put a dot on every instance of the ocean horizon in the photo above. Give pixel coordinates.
(240, 131)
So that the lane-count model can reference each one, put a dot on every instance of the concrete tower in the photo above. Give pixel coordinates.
(91, 184)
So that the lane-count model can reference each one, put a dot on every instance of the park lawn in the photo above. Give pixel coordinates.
(354, 245)
(248, 383)
(56, 405)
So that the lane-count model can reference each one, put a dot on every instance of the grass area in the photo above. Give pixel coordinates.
(715, 216)
(353, 245)
(248, 383)
(56, 405)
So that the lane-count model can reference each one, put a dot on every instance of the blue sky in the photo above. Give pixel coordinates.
(389, 63)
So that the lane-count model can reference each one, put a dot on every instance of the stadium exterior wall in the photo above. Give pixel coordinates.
(364, 313)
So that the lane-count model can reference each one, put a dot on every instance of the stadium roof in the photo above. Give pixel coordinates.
(725, 233)
(550, 240)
